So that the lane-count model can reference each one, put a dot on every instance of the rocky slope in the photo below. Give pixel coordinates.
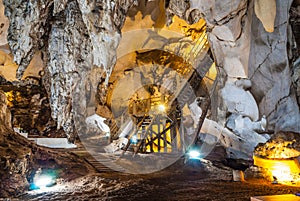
(20, 159)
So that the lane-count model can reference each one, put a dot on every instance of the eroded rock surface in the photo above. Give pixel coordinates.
(29, 104)
(4, 23)
(20, 159)
(270, 71)
(281, 146)
(79, 41)
(77, 38)
(243, 48)
(296, 79)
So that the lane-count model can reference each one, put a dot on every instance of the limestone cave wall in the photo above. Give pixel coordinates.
(78, 41)
(20, 159)
(74, 37)
(256, 53)
(250, 39)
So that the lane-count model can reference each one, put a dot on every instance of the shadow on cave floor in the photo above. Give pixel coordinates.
(190, 182)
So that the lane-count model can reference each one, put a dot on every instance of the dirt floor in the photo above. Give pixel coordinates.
(202, 182)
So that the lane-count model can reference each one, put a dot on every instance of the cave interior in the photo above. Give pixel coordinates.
(126, 99)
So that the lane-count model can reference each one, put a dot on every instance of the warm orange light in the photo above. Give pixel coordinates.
(282, 173)
(156, 129)
(284, 170)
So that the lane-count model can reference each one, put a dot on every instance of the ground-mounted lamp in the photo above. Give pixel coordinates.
(43, 179)
(194, 153)
(134, 140)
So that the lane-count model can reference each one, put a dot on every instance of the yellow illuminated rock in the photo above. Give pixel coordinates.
(265, 10)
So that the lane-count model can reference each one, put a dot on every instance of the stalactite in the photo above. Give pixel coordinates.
(79, 41)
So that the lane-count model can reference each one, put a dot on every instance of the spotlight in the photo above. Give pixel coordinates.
(194, 154)
(134, 140)
(44, 181)
(161, 108)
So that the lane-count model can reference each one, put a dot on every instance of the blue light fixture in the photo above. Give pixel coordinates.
(43, 179)
(134, 140)
(194, 154)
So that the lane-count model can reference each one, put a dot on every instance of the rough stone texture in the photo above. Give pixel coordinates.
(30, 108)
(271, 75)
(229, 36)
(281, 146)
(240, 101)
(243, 48)
(295, 46)
(295, 25)
(103, 20)
(228, 27)
(26, 30)
(69, 60)
(4, 23)
(74, 35)
(296, 79)
(5, 116)
(20, 159)
(80, 36)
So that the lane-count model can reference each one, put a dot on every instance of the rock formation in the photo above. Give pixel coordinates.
(238, 41)
(78, 40)
(20, 159)
(29, 105)
(270, 72)
(74, 36)
(4, 23)
(244, 48)
(5, 116)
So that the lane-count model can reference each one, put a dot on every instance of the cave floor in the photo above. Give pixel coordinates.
(187, 183)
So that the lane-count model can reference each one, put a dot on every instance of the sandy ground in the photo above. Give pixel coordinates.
(190, 182)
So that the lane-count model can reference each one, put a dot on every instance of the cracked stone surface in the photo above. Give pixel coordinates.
(76, 38)
(79, 39)
(244, 49)
(235, 35)
(4, 23)
(271, 74)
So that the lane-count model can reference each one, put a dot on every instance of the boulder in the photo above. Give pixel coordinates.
(282, 145)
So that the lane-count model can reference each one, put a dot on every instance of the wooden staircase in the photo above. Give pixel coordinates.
(102, 163)
(144, 127)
